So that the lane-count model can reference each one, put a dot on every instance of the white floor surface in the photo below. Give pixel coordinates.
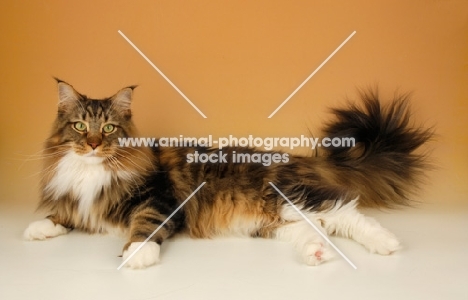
(432, 265)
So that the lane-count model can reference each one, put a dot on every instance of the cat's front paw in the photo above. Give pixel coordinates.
(314, 253)
(382, 242)
(147, 256)
(40, 230)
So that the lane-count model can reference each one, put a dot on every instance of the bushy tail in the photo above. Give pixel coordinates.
(384, 167)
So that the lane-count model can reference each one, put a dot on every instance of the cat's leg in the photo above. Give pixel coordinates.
(43, 229)
(346, 221)
(144, 223)
(306, 240)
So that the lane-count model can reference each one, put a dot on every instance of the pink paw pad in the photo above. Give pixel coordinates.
(315, 253)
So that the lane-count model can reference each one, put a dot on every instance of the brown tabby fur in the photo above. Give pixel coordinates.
(382, 170)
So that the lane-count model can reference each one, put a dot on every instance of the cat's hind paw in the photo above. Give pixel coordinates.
(382, 242)
(315, 253)
(147, 256)
(43, 229)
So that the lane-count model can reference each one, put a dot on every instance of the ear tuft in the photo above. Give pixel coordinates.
(123, 97)
(67, 96)
(66, 93)
(123, 100)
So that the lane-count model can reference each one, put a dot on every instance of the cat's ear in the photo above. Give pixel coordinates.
(122, 101)
(67, 96)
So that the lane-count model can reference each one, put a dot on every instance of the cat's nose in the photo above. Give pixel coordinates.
(94, 145)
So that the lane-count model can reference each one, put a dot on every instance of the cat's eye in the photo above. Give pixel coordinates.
(108, 128)
(80, 126)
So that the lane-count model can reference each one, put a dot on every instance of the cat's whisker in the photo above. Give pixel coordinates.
(34, 174)
(44, 155)
(49, 169)
(119, 166)
(128, 159)
(39, 157)
(145, 156)
(42, 173)
(115, 163)
(41, 153)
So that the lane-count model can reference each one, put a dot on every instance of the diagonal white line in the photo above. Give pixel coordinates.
(162, 74)
(313, 225)
(160, 226)
(313, 73)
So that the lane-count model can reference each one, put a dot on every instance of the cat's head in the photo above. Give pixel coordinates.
(91, 128)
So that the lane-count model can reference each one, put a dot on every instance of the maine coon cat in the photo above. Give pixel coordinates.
(91, 183)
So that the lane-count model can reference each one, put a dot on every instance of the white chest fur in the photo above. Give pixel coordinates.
(84, 177)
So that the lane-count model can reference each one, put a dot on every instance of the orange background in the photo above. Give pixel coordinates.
(237, 61)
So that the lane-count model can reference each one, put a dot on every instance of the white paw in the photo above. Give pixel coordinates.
(382, 242)
(147, 256)
(40, 230)
(314, 253)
